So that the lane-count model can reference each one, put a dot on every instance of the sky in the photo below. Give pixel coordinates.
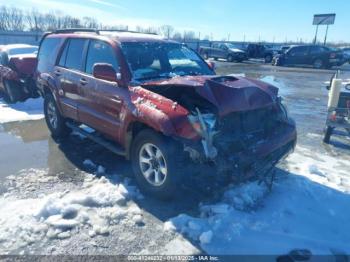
(236, 20)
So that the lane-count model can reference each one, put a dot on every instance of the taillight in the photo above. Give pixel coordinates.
(333, 55)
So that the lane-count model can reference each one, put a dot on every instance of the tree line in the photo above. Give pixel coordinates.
(16, 19)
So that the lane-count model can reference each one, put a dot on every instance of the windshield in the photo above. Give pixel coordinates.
(23, 50)
(163, 60)
(233, 46)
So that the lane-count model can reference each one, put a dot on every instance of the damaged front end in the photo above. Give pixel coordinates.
(241, 127)
(243, 144)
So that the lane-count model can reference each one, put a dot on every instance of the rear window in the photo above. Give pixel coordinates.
(47, 52)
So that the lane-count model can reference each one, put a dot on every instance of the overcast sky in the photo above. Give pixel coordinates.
(270, 20)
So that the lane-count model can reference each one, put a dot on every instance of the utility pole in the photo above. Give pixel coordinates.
(315, 39)
(325, 37)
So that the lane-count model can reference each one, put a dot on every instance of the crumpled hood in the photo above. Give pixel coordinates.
(227, 93)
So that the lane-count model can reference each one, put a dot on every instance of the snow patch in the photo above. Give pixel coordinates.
(296, 214)
(31, 109)
(95, 206)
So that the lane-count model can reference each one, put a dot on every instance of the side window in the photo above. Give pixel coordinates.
(47, 52)
(215, 45)
(74, 59)
(316, 49)
(298, 51)
(100, 52)
(63, 57)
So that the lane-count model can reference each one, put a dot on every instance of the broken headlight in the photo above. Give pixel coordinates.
(204, 124)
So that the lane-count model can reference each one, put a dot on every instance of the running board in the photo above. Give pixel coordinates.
(97, 139)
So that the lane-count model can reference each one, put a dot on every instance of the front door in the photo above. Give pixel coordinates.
(297, 55)
(102, 100)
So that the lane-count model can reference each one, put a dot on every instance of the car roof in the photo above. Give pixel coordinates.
(119, 36)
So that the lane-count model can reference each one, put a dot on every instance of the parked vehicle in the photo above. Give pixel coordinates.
(17, 65)
(310, 55)
(346, 54)
(158, 103)
(261, 51)
(223, 50)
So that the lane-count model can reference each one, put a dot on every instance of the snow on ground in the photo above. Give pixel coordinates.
(308, 208)
(93, 207)
(31, 109)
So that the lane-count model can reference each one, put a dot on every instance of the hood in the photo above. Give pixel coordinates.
(227, 93)
(236, 50)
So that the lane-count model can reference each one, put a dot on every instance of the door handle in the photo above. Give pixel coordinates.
(57, 72)
(83, 81)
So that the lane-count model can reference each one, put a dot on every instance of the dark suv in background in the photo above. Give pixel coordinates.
(310, 55)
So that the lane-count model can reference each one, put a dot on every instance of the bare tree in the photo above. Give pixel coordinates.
(177, 36)
(167, 31)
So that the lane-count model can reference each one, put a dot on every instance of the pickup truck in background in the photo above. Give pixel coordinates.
(223, 50)
(261, 51)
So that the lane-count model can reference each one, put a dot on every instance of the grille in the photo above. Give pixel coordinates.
(240, 130)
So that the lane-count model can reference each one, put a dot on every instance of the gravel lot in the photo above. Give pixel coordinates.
(47, 176)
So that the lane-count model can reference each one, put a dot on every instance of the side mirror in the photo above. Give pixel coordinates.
(105, 72)
(211, 64)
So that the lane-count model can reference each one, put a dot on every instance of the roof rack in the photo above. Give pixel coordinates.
(75, 30)
(127, 31)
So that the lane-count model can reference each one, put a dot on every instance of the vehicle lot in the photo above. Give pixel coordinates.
(40, 176)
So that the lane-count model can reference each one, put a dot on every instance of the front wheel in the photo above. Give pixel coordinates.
(318, 63)
(156, 164)
(268, 59)
(54, 120)
(230, 58)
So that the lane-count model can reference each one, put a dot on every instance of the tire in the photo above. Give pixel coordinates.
(268, 59)
(230, 58)
(164, 159)
(216, 59)
(12, 92)
(327, 134)
(318, 63)
(205, 56)
(54, 120)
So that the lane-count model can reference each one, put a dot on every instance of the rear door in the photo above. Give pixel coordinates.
(297, 55)
(68, 72)
(102, 100)
(318, 52)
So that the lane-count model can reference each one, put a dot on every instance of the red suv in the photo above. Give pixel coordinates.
(159, 104)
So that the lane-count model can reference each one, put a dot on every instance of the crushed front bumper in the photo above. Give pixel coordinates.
(255, 160)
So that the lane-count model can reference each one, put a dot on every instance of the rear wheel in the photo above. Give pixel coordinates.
(55, 122)
(327, 134)
(318, 63)
(156, 164)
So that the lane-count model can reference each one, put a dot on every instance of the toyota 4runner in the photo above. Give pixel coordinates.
(158, 103)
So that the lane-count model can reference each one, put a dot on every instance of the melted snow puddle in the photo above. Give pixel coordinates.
(95, 206)
(31, 109)
(305, 210)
